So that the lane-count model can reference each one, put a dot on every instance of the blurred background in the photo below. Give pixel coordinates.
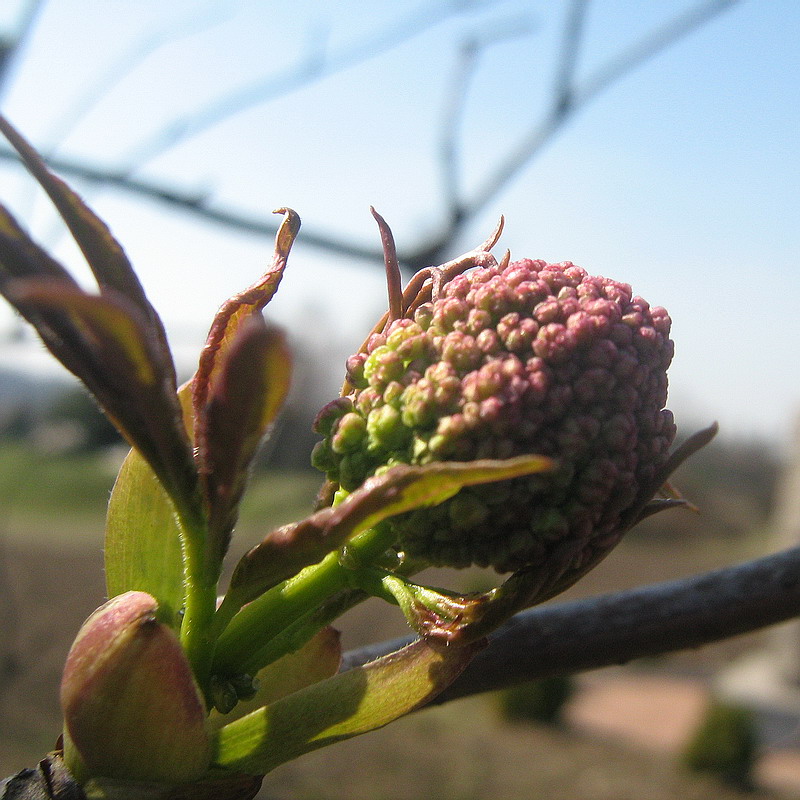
(654, 143)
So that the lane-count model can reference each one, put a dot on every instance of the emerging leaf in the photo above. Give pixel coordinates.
(106, 342)
(102, 251)
(115, 342)
(246, 393)
(240, 308)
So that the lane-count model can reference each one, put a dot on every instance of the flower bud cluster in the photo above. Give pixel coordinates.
(528, 357)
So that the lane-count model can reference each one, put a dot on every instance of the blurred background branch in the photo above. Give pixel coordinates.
(568, 97)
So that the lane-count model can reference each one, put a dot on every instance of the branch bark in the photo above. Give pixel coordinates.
(616, 628)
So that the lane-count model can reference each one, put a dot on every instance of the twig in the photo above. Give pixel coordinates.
(128, 62)
(567, 99)
(197, 204)
(616, 628)
(565, 104)
(10, 46)
(464, 69)
(313, 66)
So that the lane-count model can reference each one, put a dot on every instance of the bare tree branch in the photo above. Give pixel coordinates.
(569, 99)
(466, 64)
(570, 51)
(313, 66)
(616, 628)
(566, 100)
(128, 62)
(196, 204)
(11, 44)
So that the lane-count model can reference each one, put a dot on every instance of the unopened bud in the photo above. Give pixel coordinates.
(131, 706)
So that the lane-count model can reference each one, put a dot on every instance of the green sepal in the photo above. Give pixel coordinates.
(346, 705)
(132, 708)
(433, 613)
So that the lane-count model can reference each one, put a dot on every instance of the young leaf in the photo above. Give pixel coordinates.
(108, 345)
(21, 257)
(87, 333)
(142, 544)
(103, 253)
(341, 707)
(288, 549)
(240, 308)
(247, 390)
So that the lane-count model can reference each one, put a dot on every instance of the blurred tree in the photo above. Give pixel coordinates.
(75, 407)
(725, 744)
(537, 701)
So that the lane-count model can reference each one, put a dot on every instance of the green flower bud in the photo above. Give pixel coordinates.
(131, 707)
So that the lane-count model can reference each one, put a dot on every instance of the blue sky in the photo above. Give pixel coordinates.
(682, 179)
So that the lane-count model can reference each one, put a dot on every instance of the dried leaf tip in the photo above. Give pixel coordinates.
(393, 277)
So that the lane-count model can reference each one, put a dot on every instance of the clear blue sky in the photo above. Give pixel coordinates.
(682, 179)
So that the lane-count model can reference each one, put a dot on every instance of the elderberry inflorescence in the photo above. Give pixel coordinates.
(526, 357)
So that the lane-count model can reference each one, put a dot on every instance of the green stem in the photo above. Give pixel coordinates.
(251, 640)
(264, 619)
(200, 583)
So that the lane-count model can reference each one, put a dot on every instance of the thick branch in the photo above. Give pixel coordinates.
(616, 628)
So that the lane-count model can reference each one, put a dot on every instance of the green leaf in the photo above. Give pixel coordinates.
(346, 705)
(143, 548)
(142, 545)
(287, 550)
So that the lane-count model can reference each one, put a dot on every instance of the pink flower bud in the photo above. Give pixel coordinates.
(131, 707)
